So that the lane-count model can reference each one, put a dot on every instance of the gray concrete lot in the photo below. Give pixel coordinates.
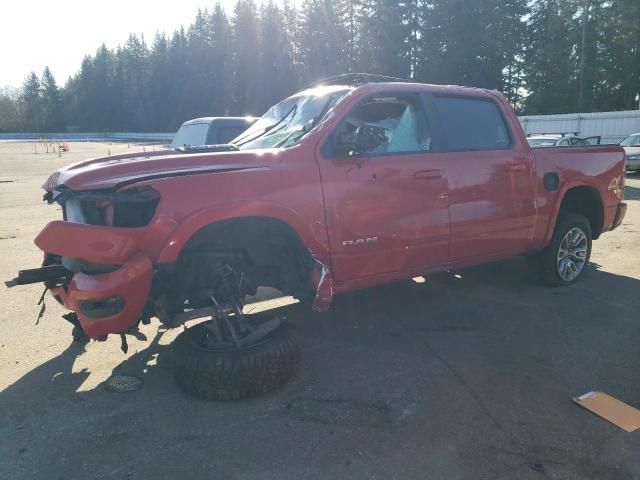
(462, 377)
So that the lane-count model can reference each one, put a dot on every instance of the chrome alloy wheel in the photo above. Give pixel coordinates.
(572, 254)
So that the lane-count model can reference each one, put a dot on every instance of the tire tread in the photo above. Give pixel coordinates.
(236, 374)
(545, 261)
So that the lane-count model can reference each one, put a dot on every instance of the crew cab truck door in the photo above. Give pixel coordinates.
(386, 200)
(491, 179)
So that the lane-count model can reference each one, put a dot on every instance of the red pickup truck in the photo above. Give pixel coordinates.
(354, 182)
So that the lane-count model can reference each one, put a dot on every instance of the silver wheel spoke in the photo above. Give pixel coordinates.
(564, 264)
(580, 254)
(573, 270)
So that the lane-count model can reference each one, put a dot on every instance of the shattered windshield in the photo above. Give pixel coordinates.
(287, 122)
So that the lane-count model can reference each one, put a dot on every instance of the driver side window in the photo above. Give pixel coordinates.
(385, 125)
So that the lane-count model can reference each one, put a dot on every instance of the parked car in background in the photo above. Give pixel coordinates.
(560, 140)
(631, 146)
(210, 131)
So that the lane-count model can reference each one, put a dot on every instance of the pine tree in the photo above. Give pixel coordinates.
(562, 55)
(611, 67)
(106, 105)
(290, 16)
(161, 87)
(131, 82)
(509, 39)
(348, 17)
(549, 64)
(31, 101)
(9, 110)
(221, 56)
(246, 59)
(200, 70)
(622, 70)
(322, 40)
(276, 73)
(174, 105)
(385, 37)
(52, 110)
(470, 43)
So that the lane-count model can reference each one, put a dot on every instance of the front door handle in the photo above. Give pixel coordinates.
(428, 174)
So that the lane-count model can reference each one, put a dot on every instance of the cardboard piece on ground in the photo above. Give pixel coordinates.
(611, 409)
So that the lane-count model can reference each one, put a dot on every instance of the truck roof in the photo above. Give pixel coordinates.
(219, 119)
(383, 82)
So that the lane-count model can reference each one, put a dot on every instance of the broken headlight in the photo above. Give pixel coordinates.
(128, 208)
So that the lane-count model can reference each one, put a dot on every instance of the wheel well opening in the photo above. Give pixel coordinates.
(585, 201)
(261, 252)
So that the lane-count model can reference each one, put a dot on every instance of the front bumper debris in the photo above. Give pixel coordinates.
(111, 284)
(48, 273)
(110, 302)
(322, 283)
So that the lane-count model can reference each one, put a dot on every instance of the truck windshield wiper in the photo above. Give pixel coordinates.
(270, 128)
(223, 147)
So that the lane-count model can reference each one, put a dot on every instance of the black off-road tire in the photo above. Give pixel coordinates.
(545, 262)
(235, 374)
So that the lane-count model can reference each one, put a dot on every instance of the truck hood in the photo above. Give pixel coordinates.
(120, 170)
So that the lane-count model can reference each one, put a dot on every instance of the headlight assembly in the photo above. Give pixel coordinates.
(134, 207)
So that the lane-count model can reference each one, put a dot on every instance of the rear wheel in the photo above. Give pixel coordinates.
(206, 370)
(565, 259)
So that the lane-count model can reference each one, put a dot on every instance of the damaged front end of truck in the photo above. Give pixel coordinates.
(94, 261)
(192, 234)
(101, 263)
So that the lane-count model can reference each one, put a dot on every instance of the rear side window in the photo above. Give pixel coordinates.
(471, 124)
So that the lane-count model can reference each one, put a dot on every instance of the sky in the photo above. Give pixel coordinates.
(59, 33)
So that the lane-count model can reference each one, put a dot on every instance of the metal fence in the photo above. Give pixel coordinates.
(90, 137)
(610, 126)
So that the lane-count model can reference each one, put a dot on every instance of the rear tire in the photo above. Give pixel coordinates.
(566, 258)
(234, 374)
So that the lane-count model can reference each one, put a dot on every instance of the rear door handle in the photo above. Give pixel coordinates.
(428, 174)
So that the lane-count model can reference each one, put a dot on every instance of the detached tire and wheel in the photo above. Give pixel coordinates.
(234, 374)
(565, 259)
